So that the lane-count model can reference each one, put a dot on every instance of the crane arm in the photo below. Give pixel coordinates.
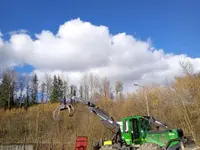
(105, 118)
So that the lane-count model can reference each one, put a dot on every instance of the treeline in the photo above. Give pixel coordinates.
(17, 90)
(177, 105)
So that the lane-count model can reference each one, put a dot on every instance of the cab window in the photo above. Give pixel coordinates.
(126, 126)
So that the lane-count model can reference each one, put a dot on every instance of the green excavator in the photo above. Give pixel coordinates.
(134, 133)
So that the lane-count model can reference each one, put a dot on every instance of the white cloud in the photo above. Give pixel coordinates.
(80, 47)
(1, 40)
(18, 31)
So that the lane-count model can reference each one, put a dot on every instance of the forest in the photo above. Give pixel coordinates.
(27, 104)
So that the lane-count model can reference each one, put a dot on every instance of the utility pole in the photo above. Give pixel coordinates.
(146, 98)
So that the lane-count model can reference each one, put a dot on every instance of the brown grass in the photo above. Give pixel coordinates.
(177, 106)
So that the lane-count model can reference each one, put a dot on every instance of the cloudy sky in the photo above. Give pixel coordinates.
(120, 42)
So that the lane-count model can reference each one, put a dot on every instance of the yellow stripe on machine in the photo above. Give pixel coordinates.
(107, 143)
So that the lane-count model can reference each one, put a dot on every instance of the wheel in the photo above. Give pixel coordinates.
(107, 148)
(114, 147)
(149, 146)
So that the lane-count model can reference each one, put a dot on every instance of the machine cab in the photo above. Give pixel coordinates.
(134, 130)
(144, 129)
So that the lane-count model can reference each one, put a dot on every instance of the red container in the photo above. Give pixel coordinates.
(81, 143)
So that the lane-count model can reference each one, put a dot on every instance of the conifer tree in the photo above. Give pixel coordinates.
(55, 91)
(34, 89)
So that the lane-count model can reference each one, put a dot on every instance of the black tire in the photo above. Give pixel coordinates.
(149, 146)
(107, 148)
(114, 148)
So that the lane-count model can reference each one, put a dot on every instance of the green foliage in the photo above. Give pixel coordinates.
(34, 89)
(7, 90)
(26, 102)
(172, 105)
(177, 105)
(55, 91)
(60, 88)
(73, 90)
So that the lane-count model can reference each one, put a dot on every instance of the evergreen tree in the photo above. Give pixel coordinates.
(65, 88)
(26, 103)
(81, 92)
(34, 89)
(7, 88)
(12, 94)
(73, 90)
(5, 91)
(60, 88)
(55, 91)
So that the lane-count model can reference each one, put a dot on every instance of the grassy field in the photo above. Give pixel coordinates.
(177, 106)
(38, 126)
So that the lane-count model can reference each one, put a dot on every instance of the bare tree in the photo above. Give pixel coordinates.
(43, 89)
(65, 88)
(119, 89)
(106, 87)
(48, 82)
(91, 85)
(97, 87)
(81, 91)
(187, 67)
(28, 89)
(85, 86)
(21, 83)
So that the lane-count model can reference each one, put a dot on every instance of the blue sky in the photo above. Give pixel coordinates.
(172, 25)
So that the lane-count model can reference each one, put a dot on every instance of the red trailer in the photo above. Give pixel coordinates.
(81, 143)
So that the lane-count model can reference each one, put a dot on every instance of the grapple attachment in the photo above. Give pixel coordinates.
(56, 112)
